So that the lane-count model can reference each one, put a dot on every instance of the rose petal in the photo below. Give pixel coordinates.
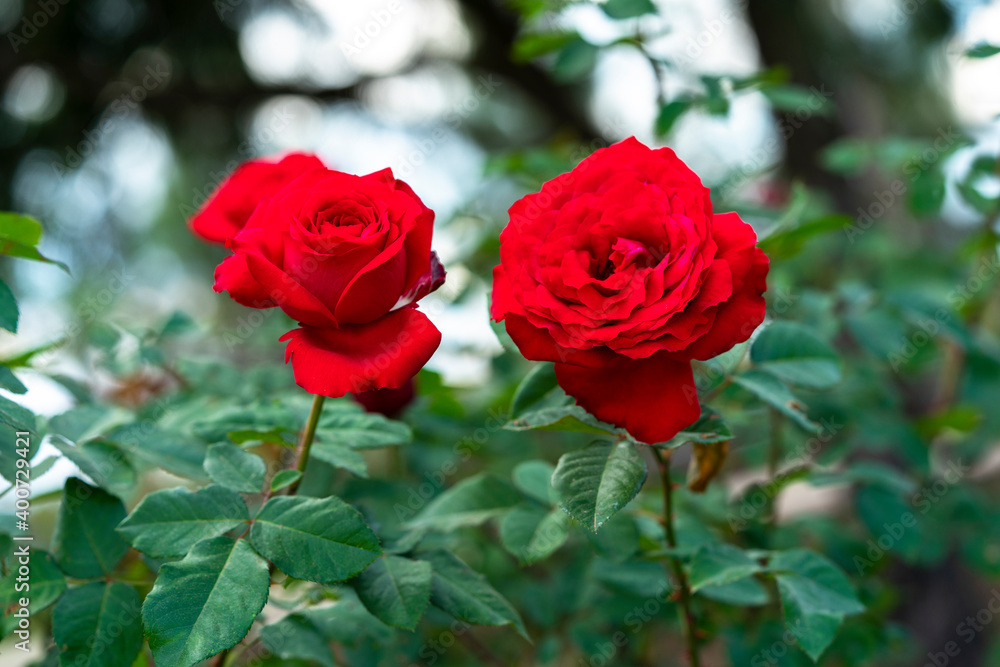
(653, 399)
(382, 354)
(233, 276)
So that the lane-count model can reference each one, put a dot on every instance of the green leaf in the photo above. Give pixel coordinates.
(284, 478)
(98, 625)
(627, 9)
(169, 522)
(575, 61)
(46, 583)
(670, 113)
(796, 99)
(566, 417)
(708, 430)
(718, 564)
(983, 50)
(17, 416)
(15, 249)
(9, 312)
(533, 533)
(296, 637)
(773, 391)
(467, 595)
(396, 590)
(10, 382)
(795, 354)
(79, 422)
(173, 452)
(234, 468)
(539, 381)
(340, 456)
(205, 603)
(533, 45)
(21, 229)
(741, 593)
(361, 430)
(534, 479)
(102, 462)
(85, 542)
(593, 484)
(469, 503)
(317, 539)
(815, 596)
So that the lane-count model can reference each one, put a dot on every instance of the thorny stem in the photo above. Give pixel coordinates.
(684, 589)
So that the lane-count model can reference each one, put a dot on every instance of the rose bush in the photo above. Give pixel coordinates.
(225, 213)
(620, 273)
(347, 257)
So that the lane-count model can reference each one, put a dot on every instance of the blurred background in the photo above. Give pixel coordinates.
(119, 117)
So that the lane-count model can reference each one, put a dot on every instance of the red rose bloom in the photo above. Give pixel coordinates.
(620, 273)
(348, 257)
(231, 205)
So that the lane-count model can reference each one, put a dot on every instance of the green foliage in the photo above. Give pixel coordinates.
(99, 625)
(317, 539)
(595, 483)
(204, 603)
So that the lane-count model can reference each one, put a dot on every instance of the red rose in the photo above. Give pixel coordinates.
(620, 273)
(231, 205)
(388, 402)
(348, 257)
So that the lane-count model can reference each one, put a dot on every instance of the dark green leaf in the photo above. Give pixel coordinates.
(296, 637)
(467, 595)
(10, 382)
(173, 452)
(79, 422)
(595, 483)
(575, 61)
(797, 355)
(983, 50)
(469, 503)
(532, 45)
(536, 384)
(102, 462)
(205, 603)
(98, 625)
(718, 564)
(773, 391)
(234, 468)
(9, 312)
(396, 590)
(815, 596)
(85, 542)
(317, 539)
(709, 429)
(534, 479)
(741, 593)
(361, 430)
(670, 113)
(284, 478)
(169, 522)
(532, 533)
(627, 9)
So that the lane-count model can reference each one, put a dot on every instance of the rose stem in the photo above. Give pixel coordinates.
(306, 441)
(684, 590)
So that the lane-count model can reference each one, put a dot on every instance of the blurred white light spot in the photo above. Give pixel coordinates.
(33, 94)
(272, 44)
